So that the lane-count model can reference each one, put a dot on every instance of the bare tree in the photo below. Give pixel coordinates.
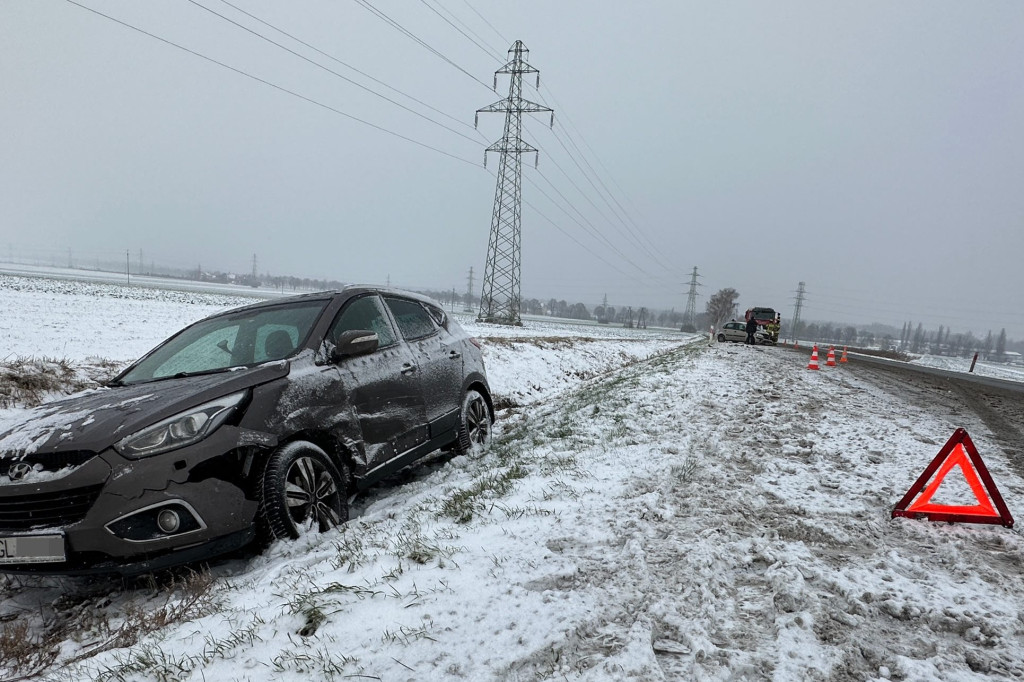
(722, 306)
(918, 340)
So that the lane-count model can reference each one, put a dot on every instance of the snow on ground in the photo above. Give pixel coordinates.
(525, 370)
(58, 318)
(989, 369)
(657, 521)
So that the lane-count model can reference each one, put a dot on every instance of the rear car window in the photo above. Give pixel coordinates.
(413, 320)
(439, 315)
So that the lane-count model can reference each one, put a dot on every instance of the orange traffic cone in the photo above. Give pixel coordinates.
(843, 359)
(813, 364)
(830, 361)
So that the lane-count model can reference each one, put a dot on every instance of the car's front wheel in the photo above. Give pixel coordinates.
(721, 338)
(301, 490)
(475, 424)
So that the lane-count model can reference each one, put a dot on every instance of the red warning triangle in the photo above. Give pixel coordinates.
(959, 451)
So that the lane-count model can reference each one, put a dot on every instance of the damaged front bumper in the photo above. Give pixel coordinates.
(117, 515)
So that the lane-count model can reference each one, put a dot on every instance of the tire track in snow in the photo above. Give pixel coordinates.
(754, 541)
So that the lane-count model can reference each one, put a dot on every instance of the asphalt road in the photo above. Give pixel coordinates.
(998, 403)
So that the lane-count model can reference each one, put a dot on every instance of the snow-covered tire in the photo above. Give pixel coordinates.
(475, 424)
(721, 338)
(301, 490)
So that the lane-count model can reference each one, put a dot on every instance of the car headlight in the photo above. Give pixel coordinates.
(186, 428)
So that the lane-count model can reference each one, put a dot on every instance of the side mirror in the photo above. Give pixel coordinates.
(355, 342)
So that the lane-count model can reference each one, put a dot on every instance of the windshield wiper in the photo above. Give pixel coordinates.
(182, 375)
(179, 375)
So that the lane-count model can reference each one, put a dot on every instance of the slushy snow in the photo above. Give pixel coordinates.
(651, 509)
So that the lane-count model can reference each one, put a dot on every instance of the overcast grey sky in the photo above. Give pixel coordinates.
(873, 150)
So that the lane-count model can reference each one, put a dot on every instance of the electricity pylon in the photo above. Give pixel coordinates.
(796, 312)
(690, 316)
(501, 299)
(468, 308)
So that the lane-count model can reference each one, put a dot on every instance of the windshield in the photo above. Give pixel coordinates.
(238, 339)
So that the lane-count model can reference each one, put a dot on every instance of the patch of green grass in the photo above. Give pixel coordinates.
(319, 663)
(685, 471)
(152, 661)
(463, 504)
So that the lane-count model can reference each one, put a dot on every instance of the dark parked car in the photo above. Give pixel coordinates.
(254, 424)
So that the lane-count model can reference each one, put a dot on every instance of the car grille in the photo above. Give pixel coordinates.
(50, 461)
(22, 512)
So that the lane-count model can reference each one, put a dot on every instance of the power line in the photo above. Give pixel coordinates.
(270, 84)
(346, 64)
(597, 175)
(603, 215)
(504, 40)
(651, 252)
(638, 236)
(487, 50)
(366, 4)
(649, 247)
(330, 71)
(580, 244)
(583, 139)
(571, 217)
(597, 234)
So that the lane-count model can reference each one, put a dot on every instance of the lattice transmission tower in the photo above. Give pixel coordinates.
(500, 300)
(794, 329)
(468, 308)
(690, 316)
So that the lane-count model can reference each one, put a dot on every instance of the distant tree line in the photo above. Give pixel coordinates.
(913, 339)
(720, 308)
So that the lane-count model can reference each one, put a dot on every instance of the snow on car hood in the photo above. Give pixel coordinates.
(94, 420)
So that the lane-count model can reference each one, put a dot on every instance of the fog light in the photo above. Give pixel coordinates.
(168, 520)
(157, 522)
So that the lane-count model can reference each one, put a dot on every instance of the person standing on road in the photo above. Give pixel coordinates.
(751, 328)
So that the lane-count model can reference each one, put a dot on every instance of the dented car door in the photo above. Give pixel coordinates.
(382, 387)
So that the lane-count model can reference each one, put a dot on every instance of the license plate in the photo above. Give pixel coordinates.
(32, 549)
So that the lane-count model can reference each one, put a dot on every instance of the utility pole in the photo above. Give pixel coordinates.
(500, 300)
(468, 308)
(690, 316)
(128, 265)
(254, 278)
(796, 312)
(140, 261)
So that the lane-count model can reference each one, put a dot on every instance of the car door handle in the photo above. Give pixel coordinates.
(454, 355)
(408, 368)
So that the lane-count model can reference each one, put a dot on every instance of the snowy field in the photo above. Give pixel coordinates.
(988, 369)
(642, 515)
